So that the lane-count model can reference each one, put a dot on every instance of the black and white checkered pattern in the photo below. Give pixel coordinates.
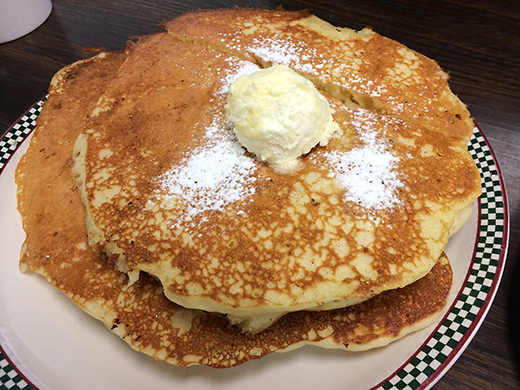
(9, 378)
(18, 132)
(465, 314)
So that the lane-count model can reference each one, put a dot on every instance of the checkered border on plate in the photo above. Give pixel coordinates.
(18, 132)
(461, 318)
(469, 307)
(9, 378)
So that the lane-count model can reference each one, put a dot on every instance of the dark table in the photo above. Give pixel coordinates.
(477, 42)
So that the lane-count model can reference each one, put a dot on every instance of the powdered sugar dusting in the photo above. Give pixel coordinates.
(217, 173)
(281, 50)
(284, 52)
(245, 68)
(368, 174)
(211, 178)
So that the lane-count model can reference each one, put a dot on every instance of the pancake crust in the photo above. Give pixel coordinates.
(361, 68)
(56, 247)
(371, 211)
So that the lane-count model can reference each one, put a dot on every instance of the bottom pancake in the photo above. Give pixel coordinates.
(57, 247)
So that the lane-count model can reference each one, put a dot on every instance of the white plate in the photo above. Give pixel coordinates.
(46, 342)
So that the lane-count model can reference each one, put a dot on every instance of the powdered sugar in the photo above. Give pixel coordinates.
(369, 173)
(244, 68)
(212, 177)
(217, 173)
(284, 52)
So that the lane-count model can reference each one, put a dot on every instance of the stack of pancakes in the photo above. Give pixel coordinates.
(197, 253)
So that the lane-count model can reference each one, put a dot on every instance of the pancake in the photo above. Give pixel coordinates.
(72, 95)
(56, 246)
(361, 68)
(371, 211)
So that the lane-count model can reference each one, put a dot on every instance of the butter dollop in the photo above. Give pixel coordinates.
(279, 115)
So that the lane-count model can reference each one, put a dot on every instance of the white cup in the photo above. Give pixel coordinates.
(20, 17)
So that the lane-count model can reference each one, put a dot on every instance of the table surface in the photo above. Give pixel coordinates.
(477, 42)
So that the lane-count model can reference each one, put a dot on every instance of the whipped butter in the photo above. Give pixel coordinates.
(279, 115)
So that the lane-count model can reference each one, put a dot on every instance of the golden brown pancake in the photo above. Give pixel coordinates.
(361, 68)
(169, 191)
(57, 247)
(73, 93)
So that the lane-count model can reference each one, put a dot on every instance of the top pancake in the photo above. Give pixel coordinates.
(361, 68)
(169, 191)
